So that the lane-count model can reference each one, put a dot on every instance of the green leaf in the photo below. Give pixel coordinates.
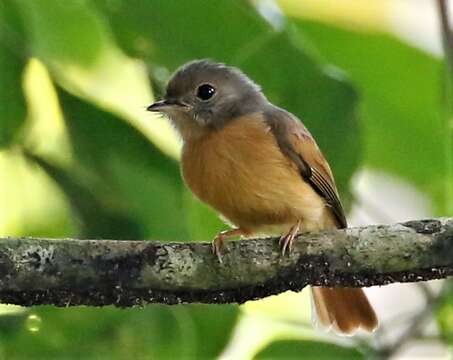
(213, 325)
(172, 32)
(68, 32)
(11, 323)
(131, 174)
(155, 332)
(183, 332)
(12, 63)
(304, 349)
(400, 87)
(96, 220)
(202, 223)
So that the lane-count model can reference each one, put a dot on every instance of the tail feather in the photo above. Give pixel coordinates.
(346, 310)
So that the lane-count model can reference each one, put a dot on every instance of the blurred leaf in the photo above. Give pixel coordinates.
(444, 313)
(66, 32)
(183, 332)
(133, 176)
(202, 223)
(12, 322)
(213, 325)
(12, 26)
(96, 220)
(303, 349)
(158, 332)
(12, 63)
(402, 125)
(172, 32)
(155, 332)
(277, 60)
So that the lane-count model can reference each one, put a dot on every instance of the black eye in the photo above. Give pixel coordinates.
(205, 92)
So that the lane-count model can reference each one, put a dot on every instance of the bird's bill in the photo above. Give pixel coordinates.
(164, 105)
(158, 106)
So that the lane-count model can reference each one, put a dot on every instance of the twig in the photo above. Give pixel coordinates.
(415, 330)
(447, 35)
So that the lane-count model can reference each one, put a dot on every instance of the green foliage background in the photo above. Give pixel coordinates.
(77, 159)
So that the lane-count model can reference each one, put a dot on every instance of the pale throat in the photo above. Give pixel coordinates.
(187, 126)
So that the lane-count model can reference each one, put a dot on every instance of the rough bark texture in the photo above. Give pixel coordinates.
(126, 273)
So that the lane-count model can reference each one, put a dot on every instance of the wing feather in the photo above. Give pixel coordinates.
(296, 142)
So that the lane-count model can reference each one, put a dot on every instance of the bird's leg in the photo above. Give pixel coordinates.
(218, 241)
(286, 240)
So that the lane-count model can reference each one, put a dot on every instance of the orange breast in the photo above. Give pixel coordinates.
(241, 172)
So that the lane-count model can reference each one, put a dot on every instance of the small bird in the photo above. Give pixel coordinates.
(261, 169)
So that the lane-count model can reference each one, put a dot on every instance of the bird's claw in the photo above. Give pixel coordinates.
(219, 240)
(286, 241)
(217, 245)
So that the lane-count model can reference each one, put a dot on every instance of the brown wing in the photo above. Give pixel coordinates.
(296, 142)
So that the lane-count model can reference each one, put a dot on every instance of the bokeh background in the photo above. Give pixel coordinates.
(80, 157)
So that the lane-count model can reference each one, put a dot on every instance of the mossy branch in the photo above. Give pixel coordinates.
(67, 272)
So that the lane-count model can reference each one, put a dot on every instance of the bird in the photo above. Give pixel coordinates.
(260, 168)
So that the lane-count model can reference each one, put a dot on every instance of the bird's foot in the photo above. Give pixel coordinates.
(219, 240)
(286, 241)
(217, 245)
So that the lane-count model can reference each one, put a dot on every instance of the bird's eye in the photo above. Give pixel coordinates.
(205, 92)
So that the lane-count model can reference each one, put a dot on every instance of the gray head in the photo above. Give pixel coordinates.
(206, 95)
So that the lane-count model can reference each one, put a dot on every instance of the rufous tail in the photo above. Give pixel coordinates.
(345, 310)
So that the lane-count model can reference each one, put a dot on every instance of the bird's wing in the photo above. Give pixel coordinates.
(296, 142)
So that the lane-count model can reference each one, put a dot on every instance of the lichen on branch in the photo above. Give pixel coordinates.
(67, 272)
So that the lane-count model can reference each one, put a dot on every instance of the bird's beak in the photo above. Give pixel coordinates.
(163, 105)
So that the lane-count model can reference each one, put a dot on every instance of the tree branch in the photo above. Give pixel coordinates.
(67, 272)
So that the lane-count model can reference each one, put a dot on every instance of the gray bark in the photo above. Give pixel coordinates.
(67, 272)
